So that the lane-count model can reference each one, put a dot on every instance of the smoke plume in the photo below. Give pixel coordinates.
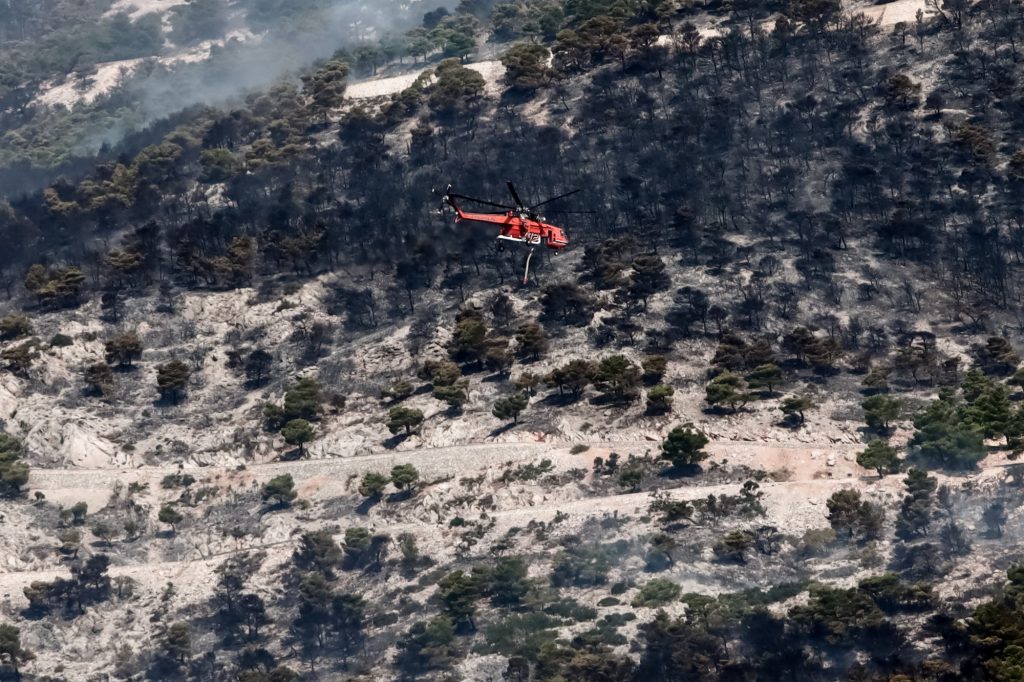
(160, 88)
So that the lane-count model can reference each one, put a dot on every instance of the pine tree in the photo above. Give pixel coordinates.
(880, 411)
(998, 356)
(304, 400)
(726, 389)
(455, 396)
(877, 379)
(617, 378)
(398, 391)
(317, 551)
(404, 476)
(573, 377)
(765, 376)
(974, 384)
(684, 446)
(99, 378)
(531, 340)
(459, 592)
(373, 484)
(654, 369)
(850, 516)
(659, 398)
(734, 546)
(11, 649)
(469, 342)
(944, 439)
(124, 349)
(172, 378)
(510, 407)
(916, 509)
(279, 490)
(170, 516)
(13, 471)
(880, 456)
(995, 518)
(298, 432)
(404, 419)
(648, 278)
(990, 412)
(795, 406)
(14, 326)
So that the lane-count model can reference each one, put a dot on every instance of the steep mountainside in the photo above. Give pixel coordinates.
(267, 413)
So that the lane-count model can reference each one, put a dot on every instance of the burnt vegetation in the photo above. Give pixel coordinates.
(825, 206)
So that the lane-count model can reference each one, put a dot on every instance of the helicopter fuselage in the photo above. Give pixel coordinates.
(516, 227)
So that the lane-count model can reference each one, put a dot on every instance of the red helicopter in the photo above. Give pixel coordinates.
(519, 223)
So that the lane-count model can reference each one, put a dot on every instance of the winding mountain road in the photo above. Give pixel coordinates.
(809, 473)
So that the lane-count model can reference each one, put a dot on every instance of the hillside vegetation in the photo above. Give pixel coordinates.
(266, 414)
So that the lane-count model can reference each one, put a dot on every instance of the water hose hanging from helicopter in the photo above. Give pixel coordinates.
(526, 275)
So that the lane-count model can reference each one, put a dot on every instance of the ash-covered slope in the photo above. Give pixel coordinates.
(267, 415)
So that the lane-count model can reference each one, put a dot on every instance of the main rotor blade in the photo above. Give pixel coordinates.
(561, 196)
(481, 201)
(515, 195)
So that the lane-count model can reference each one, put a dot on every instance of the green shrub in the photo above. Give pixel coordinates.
(178, 480)
(570, 608)
(657, 592)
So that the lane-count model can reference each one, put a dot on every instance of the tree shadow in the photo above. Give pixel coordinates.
(401, 495)
(292, 455)
(504, 428)
(790, 421)
(968, 328)
(473, 368)
(610, 401)
(678, 526)
(558, 400)
(656, 562)
(270, 508)
(166, 401)
(516, 97)
(680, 471)
(396, 440)
(719, 411)
(253, 384)
(88, 392)
(366, 505)
(869, 434)
(314, 128)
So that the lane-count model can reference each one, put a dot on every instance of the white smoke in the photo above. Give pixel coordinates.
(159, 89)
